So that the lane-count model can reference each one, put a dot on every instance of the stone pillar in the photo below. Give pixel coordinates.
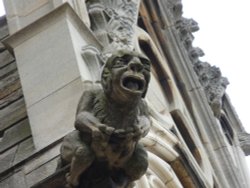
(48, 55)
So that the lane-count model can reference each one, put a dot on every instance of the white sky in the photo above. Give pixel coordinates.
(224, 36)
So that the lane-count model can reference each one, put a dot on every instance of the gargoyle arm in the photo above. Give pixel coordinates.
(85, 120)
(144, 121)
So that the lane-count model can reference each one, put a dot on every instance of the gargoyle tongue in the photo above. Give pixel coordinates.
(132, 85)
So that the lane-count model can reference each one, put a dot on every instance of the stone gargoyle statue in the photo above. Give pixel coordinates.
(104, 150)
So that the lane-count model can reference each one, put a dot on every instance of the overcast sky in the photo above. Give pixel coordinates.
(224, 36)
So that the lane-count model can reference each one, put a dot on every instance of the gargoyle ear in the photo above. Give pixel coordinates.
(145, 92)
(147, 82)
(106, 80)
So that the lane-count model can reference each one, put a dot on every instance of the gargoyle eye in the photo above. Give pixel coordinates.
(119, 62)
(146, 64)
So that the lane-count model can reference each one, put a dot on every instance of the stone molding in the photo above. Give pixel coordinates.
(244, 139)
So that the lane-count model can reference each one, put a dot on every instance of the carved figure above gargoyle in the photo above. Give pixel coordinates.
(104, 150)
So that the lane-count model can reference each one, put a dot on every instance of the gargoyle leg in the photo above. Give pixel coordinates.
(137, 165)
(82, 159)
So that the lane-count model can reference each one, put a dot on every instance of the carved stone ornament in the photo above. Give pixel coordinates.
(186, 27)
(175, 7)
(209, 76)
(104, 150)
(113, 22)
(213, 83)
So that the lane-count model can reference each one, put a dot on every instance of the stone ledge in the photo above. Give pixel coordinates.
(56, 180)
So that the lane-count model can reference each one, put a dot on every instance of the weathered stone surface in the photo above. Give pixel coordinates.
(195, 54)
(25, 12)
(182, 174)
(8, 69)
(5, 58)
(186, 27)
(9, 84)
(38, 161)
(175, 6)
(114, 36)
(25, 149)
(56, 180)
(12, 113)
(4, 32)
(213, 83)
(60, 41)
(41, 173)
(17, 180)
(6, 159)
(155, 96)
(229, 167)
(58, 117)
(15, 134)
(14, 96)
(58, 62)
(2, 47)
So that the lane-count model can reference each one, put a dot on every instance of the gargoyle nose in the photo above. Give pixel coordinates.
(135, 65)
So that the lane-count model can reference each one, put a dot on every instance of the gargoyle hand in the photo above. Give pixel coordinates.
(100, 138)
(143, 126)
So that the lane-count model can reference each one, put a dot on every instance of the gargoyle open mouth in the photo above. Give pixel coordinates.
(133, 83)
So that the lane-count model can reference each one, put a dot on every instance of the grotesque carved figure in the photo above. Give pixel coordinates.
(104, 151)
